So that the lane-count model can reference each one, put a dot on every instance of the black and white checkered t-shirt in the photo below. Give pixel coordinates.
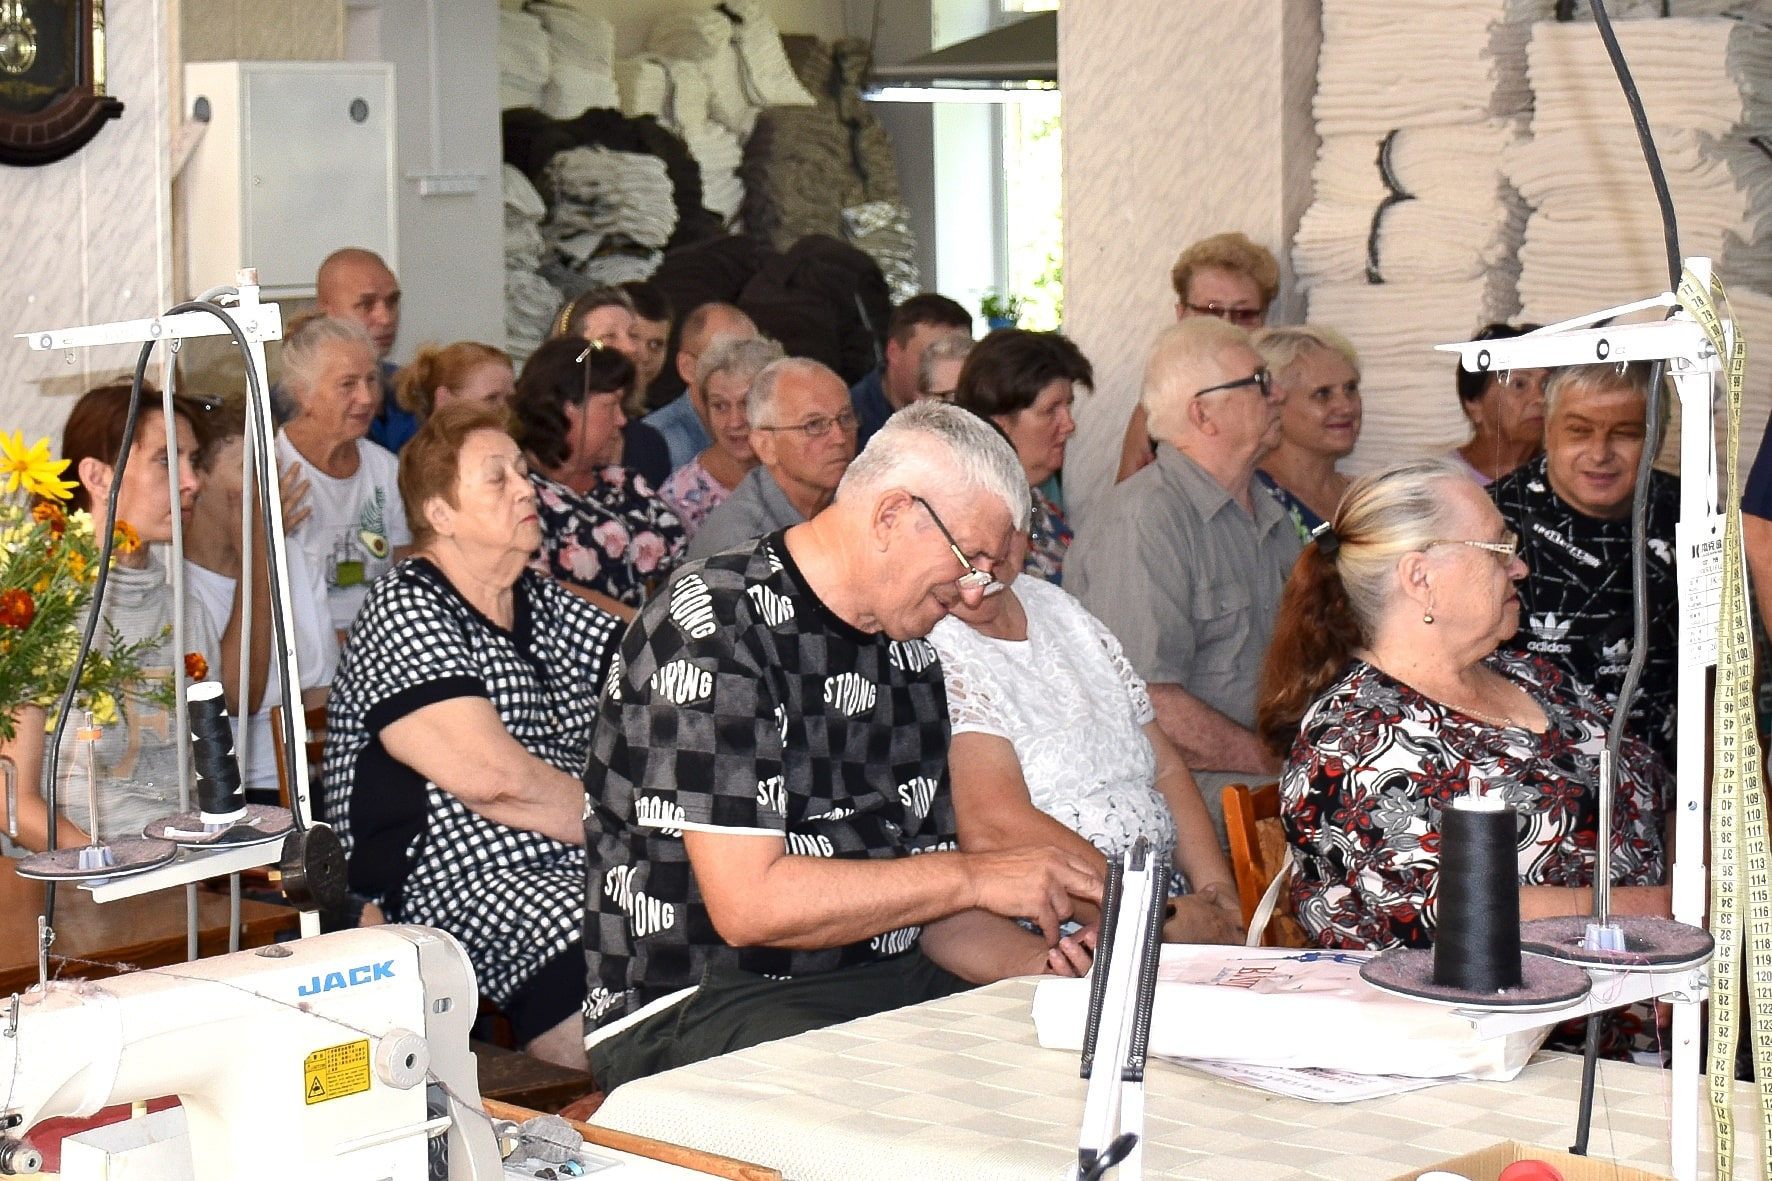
(741, 704)
(513, 897)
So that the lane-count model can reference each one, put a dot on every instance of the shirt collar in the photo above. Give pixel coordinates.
(1187, 477)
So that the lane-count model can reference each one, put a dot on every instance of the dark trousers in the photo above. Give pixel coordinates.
(732, 1010)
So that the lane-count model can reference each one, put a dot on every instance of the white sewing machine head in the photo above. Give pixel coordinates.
(343, 1056)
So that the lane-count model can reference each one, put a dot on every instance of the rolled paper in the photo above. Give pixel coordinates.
(221, 799)
(1477, 939)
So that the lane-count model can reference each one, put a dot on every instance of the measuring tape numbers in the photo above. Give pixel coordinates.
(1739, 859)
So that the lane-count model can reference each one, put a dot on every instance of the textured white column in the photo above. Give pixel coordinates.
(1180, 120)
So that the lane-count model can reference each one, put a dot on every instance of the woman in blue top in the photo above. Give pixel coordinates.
(1320, 373)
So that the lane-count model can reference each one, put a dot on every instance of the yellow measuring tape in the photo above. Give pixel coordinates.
(1738, 807)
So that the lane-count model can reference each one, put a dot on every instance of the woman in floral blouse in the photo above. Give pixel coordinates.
(1384, 689)
(605, 533)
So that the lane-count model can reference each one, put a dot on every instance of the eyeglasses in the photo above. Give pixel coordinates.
(1241, 317)
(974, 577)
(1261, 379)
(817, 428)
(1508, 548)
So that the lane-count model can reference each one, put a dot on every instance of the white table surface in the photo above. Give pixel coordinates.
(959, 1088)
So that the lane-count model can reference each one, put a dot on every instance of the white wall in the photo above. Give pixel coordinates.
(88, 238)
(451, 261)
(1180, 120)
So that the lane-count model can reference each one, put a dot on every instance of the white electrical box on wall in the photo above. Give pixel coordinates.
(297, 161)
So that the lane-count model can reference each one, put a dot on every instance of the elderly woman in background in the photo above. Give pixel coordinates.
(1055, 743)
(723, 376)
(1227, 276)
(603, 530)
(1384, 690)
(1025, 382)
(464, 371)
(938, 373)
(459, 722)
(212, 577)
(136, 755)
(355, 529)
(1319, 372)
(1506, 412)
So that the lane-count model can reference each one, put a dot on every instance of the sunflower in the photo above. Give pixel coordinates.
(33, 467)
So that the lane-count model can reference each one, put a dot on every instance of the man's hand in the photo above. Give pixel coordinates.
(1074, 953)
(1039, 883)
(1211, 916)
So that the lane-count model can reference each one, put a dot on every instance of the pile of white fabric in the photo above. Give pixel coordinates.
(602, 198)
(1412, 235)
(530, 300)
(581, 70)
(523, 59)
(1595, 236)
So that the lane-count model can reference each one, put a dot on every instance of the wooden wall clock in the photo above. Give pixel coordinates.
(52, 79)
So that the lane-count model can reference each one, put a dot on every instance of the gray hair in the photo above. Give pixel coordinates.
(746, 355)
(951, 346)
(1283, 347)
(1177, 367)
(1384, 515)
(759, 403)
(304, 354)
(1593, 378)
(937, 445)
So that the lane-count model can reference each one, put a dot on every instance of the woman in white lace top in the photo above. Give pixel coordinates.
(1054, 743)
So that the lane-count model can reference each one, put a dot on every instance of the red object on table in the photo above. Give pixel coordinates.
(1530, 1170)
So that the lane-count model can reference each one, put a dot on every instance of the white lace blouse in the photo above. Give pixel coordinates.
(1070, 703)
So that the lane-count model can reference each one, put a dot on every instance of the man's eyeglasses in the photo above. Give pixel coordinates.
(974, 578)
(1261, 379)
(818, 428)
(1508, 548)
(1241, 317)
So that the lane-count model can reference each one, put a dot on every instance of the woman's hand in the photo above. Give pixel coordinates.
(1213, 915)
(1074, 953)
(293, 490)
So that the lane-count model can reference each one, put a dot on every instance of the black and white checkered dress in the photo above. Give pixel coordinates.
(742, 705)
(513, 897)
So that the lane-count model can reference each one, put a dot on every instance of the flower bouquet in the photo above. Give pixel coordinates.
(48, 564)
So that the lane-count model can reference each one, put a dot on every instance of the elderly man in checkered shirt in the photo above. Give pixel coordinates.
(772, 840)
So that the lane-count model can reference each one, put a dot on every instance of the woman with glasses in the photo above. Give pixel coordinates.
(1385, 692)
(1026, 382)
(605, 533)
(1055, 742)
(1506, 412)
(1227, 276)
(1320, 374)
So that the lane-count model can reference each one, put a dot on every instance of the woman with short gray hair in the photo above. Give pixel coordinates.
(1320, 423)
(356, 529)
(723, 376)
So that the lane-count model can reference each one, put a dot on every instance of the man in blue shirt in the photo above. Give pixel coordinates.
(355, 284)
(677, 420)
(893, 386)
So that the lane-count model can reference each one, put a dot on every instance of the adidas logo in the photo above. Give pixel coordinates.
(1661, 549)
(1617, 651)
(1548, 626)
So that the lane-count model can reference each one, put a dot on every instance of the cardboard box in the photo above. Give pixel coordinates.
(1486, 1164)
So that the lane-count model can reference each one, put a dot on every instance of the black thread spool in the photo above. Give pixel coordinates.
(220, 797)
(1477, 940)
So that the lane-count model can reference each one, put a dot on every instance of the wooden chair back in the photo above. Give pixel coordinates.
(1258, 842)
(315, 719)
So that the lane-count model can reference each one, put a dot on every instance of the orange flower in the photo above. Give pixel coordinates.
(76, 564)
(17, 609)
(124, 538)
(50, 513)
(196, 668)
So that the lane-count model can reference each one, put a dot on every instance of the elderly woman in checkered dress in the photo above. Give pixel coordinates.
(459, 724)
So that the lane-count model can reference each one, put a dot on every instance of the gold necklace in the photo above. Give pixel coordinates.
(1504, 722)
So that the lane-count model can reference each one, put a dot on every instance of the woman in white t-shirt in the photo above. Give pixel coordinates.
(1055, 743)
(212, 579)
(356, 528)
(136, 756)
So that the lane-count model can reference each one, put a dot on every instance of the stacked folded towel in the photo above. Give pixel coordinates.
(1412, 236)
(523, 59)
(581, 71)
(529, 299)
(719, 153)
(1595, 236)
(603, 197)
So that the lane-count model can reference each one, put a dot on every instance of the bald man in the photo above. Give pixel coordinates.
(678, 420)
(355, 284)
(1185, 560)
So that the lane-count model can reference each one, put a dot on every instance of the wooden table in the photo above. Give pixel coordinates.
(147, 931)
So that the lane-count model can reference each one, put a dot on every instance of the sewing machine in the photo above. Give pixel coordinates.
(342, 1056)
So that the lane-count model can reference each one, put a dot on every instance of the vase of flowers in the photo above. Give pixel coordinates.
(48, 564)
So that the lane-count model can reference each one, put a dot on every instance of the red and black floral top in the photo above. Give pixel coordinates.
(1375, 761)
